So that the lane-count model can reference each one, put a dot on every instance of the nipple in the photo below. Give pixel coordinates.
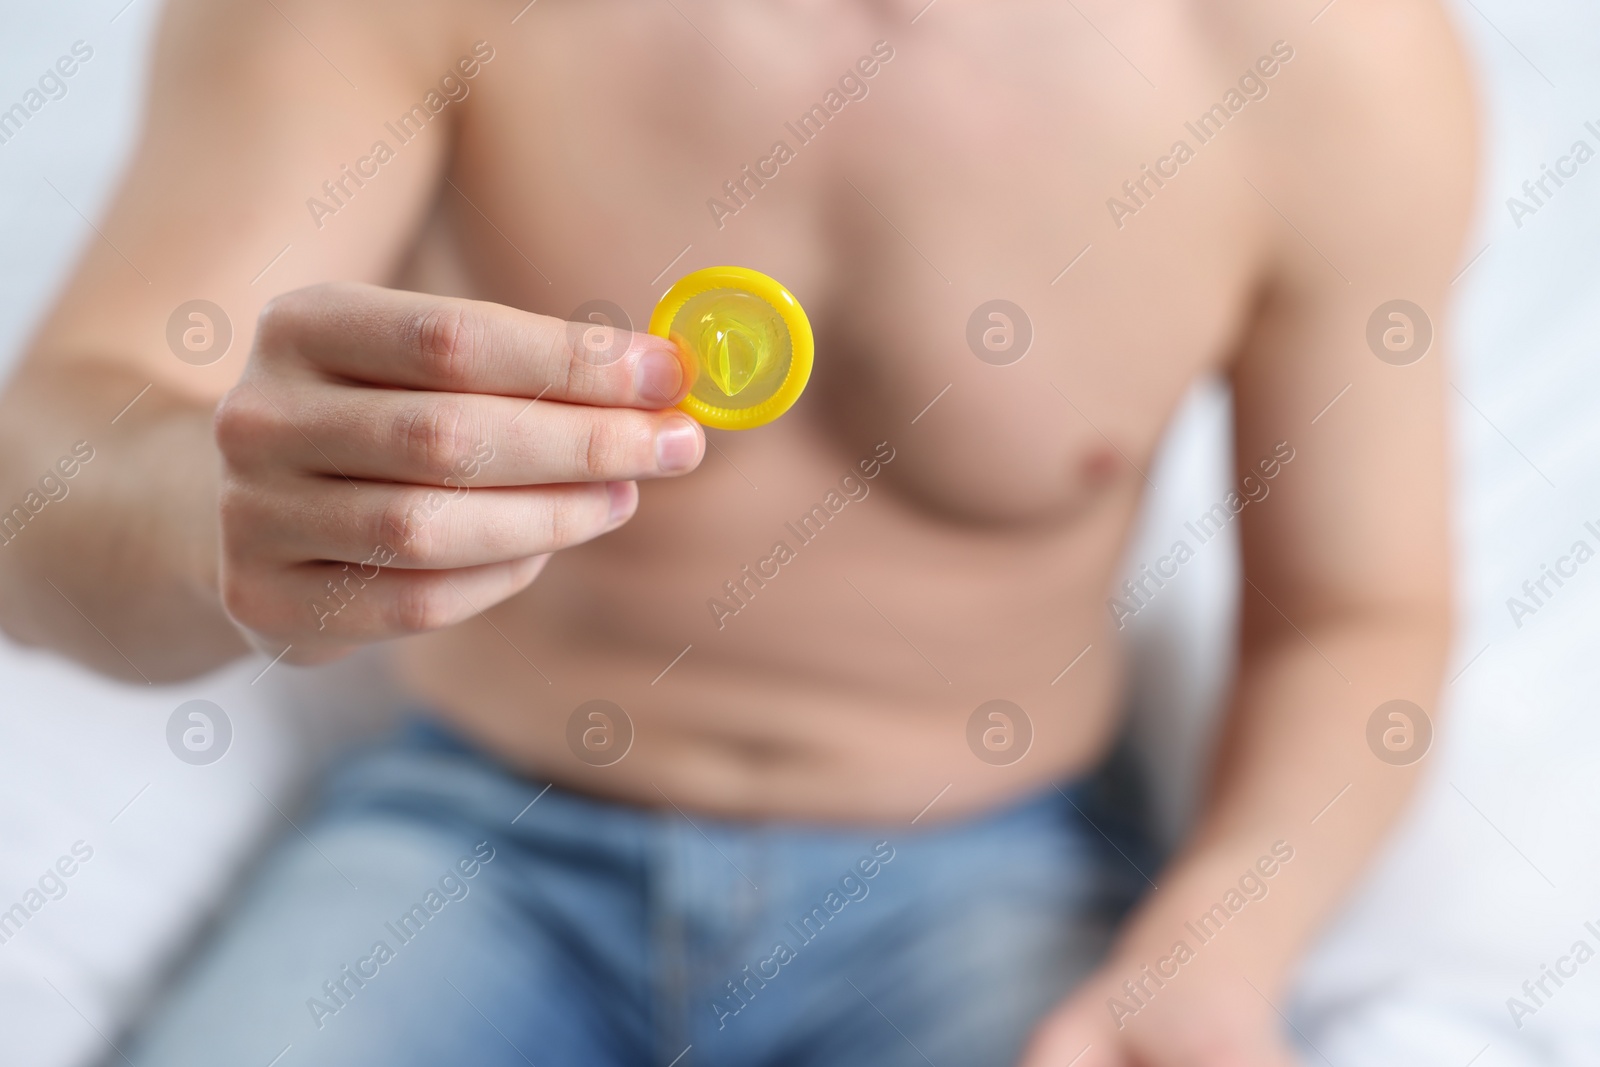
(749, 342)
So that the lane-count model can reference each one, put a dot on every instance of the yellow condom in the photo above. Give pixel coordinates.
(751, 343)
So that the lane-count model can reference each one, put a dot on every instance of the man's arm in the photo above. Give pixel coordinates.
(350, 410)
(1346, 601)
(245, 121)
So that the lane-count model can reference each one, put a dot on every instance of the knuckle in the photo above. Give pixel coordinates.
(281, 316)
(423, 605)
(444, 337)
(287, 317)
(558, 347)
(606, 447)
(240, 424)
(558, 523)
(435, 437)
(273, 321)
(403, 524)
(236, 594)
(235, 514)
(247, 599)
(570, 518)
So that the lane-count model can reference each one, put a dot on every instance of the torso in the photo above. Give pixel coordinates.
(978, 564)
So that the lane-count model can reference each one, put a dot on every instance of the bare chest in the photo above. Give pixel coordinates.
(935, 194)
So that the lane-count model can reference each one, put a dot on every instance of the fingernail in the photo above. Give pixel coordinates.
(658, 376)
(677, 445)
(623, 497)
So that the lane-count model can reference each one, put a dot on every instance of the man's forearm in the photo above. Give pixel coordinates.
(1294, 750)
(114, 564)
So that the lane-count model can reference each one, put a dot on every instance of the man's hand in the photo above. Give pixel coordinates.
(1208, 1018)
(396, 463)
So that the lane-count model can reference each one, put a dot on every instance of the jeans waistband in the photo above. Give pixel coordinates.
(1110, 796)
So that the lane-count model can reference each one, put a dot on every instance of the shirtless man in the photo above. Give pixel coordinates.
(792, 769)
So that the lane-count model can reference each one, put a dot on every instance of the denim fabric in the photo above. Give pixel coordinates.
(440, 909)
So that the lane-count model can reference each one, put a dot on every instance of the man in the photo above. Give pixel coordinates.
(711, 768)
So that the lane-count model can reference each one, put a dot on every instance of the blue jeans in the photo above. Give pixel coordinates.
(440, 909)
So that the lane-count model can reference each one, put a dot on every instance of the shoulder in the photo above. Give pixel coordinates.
(1372, 133)
(337, 42)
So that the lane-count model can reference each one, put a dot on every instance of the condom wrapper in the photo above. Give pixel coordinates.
(749, 340)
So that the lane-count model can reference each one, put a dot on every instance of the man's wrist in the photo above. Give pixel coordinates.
(1228, 900)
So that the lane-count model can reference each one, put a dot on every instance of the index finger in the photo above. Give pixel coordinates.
(416, 341)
